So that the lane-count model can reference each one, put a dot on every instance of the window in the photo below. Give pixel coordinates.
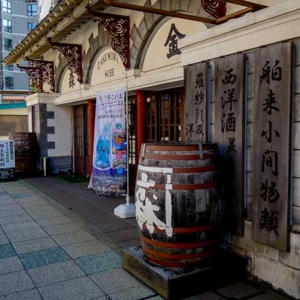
(7, 44)
(7, 25)
(6, 5)
(9, 68)
(30, 26)
(163, 116)
(9, 83)
(31, 10)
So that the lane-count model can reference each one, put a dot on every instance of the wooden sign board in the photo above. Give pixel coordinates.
(195, 108)
(272, 145)
(230, 132)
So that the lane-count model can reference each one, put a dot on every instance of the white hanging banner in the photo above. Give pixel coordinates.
(109, 174)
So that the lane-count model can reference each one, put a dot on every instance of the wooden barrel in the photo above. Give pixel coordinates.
(178, 203)
(26, 150)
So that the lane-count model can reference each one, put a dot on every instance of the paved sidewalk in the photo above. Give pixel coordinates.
(48, 252)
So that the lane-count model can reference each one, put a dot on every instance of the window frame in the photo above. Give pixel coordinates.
(6, 9)
(30, 26)
(9, 48)
(8, 26)
(9, 85)
(30, 11)
(9, 67)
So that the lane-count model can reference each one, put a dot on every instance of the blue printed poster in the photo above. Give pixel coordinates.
(109, 175)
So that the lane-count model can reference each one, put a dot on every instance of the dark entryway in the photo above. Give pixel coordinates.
(81, 140)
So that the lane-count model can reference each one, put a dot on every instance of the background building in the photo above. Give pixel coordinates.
(18, 18)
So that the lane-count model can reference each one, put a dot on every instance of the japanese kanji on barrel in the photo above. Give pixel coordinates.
(178, 203)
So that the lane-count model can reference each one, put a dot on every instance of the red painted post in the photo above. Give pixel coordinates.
(91, 120)
(141, 121)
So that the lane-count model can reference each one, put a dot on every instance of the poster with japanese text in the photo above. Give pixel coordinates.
(109, 174)
(7, 160)
(272, 145)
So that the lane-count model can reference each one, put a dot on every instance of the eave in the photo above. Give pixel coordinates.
(69, 15)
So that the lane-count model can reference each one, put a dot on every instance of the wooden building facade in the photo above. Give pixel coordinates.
(218, 74)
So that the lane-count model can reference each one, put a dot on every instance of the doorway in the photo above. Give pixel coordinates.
(81, 140)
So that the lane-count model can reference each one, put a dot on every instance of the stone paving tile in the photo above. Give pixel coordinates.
(10, 264)
(54, 221)
(206, 296)
(31, 203)
(7, 201)
(12, 212)
(40, 209)
(20, 226)
(29, 199)
(7, 251)
(15, 219)
(4, 196)
(24, 235)
(26, 295)
(268, 296)
(72, 238)
(130, 243)
(45, 215)
(15, 282)
(55, 273)
(76, 289)
(86, 248)
(3, 239)
(21, 194)
(44, 257)
(123, 235)
(135, 293)
(34, 245)
(10, 206)
(238, 290)
(62, 228)
(115, 280)
(99, 262)
(1, 230)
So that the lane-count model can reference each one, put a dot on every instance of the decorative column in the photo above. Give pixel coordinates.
(141, 136)
(91, 116)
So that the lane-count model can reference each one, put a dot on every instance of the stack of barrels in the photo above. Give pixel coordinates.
(26, 150)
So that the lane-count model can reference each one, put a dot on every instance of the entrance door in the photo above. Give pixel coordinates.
(164, 116)
(81, 140)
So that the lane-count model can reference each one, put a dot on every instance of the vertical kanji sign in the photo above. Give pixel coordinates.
(272, 145)
(195, 109)
(230, 133)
